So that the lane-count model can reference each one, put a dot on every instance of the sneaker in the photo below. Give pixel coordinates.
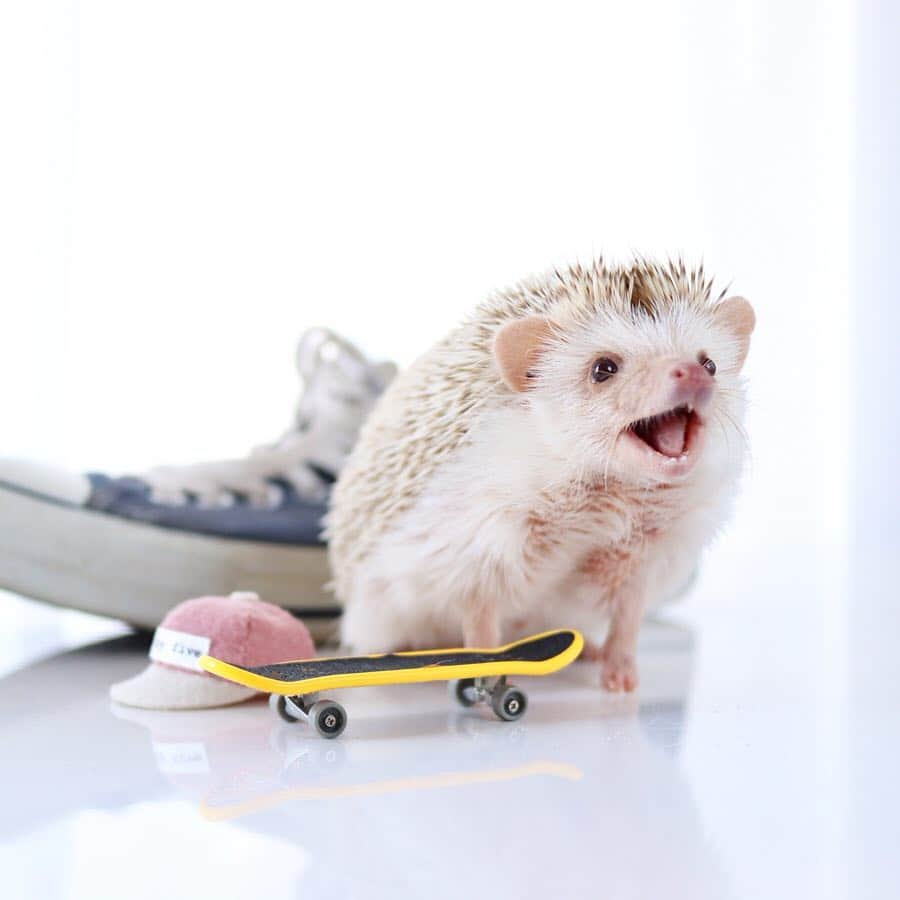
(132, 547)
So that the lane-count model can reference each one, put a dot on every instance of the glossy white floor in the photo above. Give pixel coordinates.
(757, 760)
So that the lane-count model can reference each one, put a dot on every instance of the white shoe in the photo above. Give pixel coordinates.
(133, 547)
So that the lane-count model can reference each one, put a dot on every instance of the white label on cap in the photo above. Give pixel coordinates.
(183, 758)
(176, 648)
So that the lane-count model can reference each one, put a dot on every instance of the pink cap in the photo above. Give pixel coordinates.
(240, 629)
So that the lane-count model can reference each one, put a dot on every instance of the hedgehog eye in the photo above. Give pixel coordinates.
(602, 369)
(707, 364)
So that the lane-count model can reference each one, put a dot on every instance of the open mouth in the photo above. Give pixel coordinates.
(671, 433)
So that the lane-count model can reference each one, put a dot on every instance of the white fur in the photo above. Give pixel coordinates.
(547, 456)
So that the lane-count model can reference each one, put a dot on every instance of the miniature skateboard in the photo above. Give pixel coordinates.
(476, 676)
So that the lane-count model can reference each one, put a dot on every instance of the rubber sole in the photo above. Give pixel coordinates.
(88, 560)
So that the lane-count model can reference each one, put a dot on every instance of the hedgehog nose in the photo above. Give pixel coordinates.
(691, 383)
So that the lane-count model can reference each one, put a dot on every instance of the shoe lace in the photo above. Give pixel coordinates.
(339, 388)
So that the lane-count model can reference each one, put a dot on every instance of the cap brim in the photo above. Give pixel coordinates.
(161, 687)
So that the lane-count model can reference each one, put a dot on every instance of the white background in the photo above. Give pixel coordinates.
(186, 186)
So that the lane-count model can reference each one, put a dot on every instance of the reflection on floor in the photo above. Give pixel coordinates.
(416, 793)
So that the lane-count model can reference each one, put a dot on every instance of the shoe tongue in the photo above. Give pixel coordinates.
(309, 349)
(386, 372)
(320, 347)
(668, 435)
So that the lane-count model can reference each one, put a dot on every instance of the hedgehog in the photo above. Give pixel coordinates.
(560, 459)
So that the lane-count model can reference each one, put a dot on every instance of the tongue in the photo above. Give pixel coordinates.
(668, 435)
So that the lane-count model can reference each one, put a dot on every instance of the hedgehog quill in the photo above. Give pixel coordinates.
(559, 459)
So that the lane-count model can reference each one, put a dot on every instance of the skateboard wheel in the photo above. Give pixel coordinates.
(278, 703)
(329, 718)
(509, 703)
(462, 690)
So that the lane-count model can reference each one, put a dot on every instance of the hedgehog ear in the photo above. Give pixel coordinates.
(736, 316)
(517, 346)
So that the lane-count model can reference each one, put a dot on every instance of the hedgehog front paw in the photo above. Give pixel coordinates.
(618, 669)
(619, 672)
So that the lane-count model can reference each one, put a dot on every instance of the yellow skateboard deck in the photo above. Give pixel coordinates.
(540, 654)
(294, 686)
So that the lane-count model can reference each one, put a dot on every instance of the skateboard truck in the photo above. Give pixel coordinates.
(328, 717)
(507, 701)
